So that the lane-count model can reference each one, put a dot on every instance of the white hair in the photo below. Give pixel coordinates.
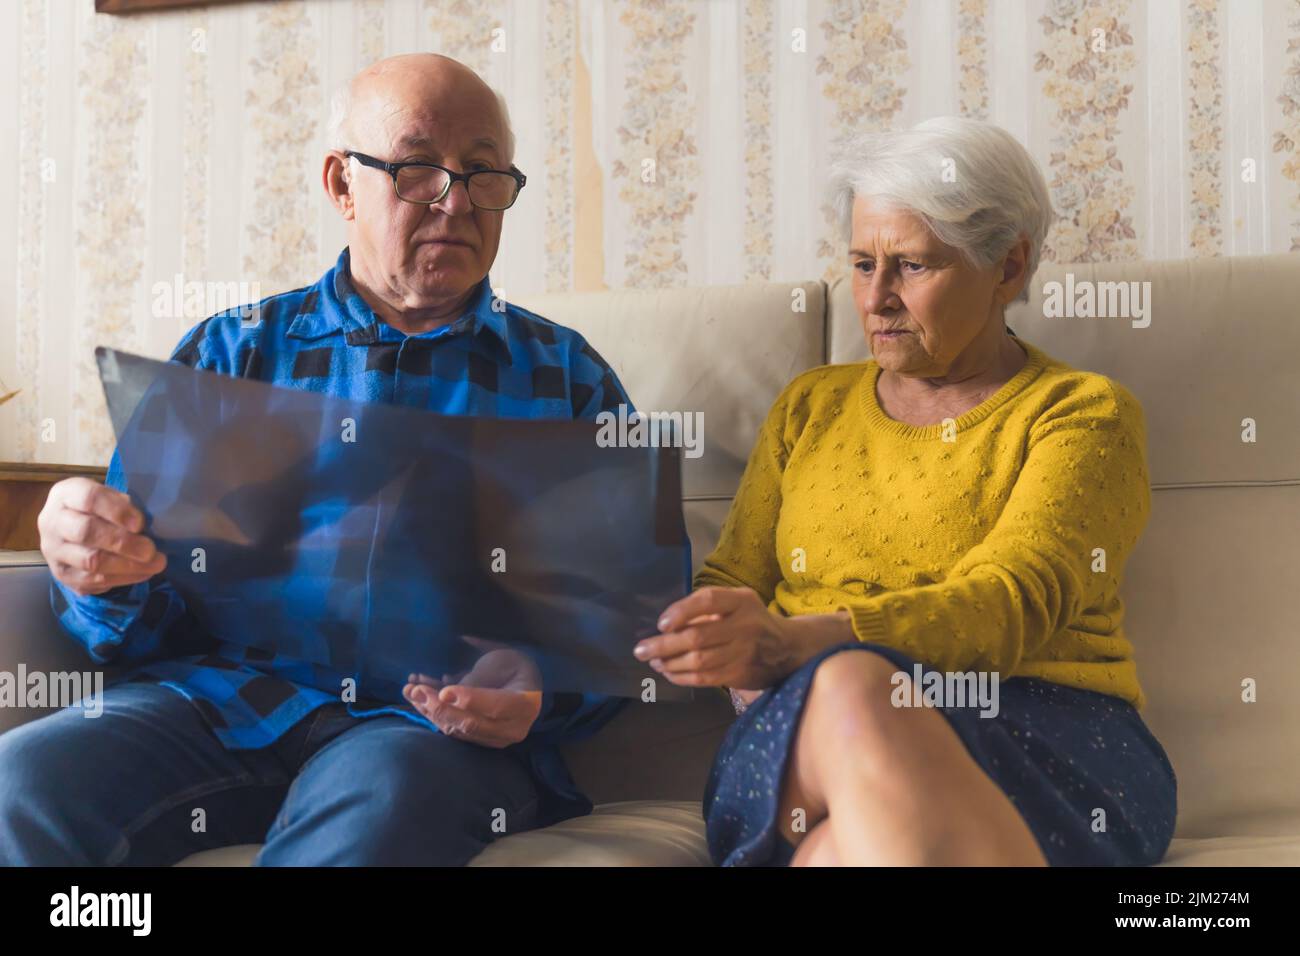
(341, 107)
(996, 195)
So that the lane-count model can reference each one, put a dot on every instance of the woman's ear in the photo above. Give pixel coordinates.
(1014, 272)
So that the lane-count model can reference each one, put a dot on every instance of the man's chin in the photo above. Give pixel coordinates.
(448, 263)
(434, 283)
(444, 252)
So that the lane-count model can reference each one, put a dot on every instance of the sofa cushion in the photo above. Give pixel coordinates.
(1236, 851)
(650, 833)
(634, 833)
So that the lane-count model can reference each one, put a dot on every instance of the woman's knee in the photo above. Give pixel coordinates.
(840, 724)
(850, 725)
(854, 684)
(817, 848)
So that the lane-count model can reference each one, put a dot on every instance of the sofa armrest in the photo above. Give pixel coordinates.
(31, 636)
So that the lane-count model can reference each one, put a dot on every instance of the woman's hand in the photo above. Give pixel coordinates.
(726, 637)
(721, 637)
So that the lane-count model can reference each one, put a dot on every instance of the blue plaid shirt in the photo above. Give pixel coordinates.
(502, 361)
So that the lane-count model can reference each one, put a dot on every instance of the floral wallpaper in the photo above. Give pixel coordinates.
(667, 143)
(864, 61)
(655, 163)
(20, 320)
(561, 50)
(972, 57)
(464, 29)
(1205, 126)
(1286, 140)
(758, 39)
(285, 90)
(109, 241)
(198, 107)
(1087, 60)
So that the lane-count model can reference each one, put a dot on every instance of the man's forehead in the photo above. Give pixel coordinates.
(416, 140)
(426, 127)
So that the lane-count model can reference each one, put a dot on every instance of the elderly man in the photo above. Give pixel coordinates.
(210, 744)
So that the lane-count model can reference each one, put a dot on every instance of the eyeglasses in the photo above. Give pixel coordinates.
(427, 183)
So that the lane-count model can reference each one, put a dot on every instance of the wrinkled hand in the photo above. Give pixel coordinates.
(494, 704)
(91, 537)
(722, 637)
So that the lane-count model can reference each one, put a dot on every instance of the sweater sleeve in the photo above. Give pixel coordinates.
(746, 553)
(1082, 495)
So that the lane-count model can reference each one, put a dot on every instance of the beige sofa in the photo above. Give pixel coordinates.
(1210, 590)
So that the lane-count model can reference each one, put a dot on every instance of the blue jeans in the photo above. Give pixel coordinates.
(147, 783)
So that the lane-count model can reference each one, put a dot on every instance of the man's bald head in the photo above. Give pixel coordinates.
(419, 262)
(402, 82)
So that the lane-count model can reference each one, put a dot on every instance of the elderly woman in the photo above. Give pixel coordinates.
(958, 509)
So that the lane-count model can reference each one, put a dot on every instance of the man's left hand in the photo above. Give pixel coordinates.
(494, 704)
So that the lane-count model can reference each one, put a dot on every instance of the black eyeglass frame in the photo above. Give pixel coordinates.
(453, 178)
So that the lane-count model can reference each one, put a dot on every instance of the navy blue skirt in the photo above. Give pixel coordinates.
(1057, 752)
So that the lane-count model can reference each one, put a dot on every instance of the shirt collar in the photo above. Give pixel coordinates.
(333, 305)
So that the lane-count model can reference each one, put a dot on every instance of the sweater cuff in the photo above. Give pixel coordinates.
(868, 622)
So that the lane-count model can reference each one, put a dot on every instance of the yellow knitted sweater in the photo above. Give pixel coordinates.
(995, 541)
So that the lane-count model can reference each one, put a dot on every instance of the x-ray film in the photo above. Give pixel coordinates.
(380, 540)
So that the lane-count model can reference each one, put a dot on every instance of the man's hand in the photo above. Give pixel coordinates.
(494, 704)
(91, 538)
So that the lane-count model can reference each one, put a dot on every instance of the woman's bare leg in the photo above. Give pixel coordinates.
(817, 848)
(895, 786)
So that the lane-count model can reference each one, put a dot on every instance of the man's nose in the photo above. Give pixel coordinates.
(456, 202)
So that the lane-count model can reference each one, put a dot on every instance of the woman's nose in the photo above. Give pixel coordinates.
(879, 295)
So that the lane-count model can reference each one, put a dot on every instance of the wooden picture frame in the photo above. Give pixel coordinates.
(145, 6)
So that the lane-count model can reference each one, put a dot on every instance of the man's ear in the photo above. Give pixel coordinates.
(336, 177)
